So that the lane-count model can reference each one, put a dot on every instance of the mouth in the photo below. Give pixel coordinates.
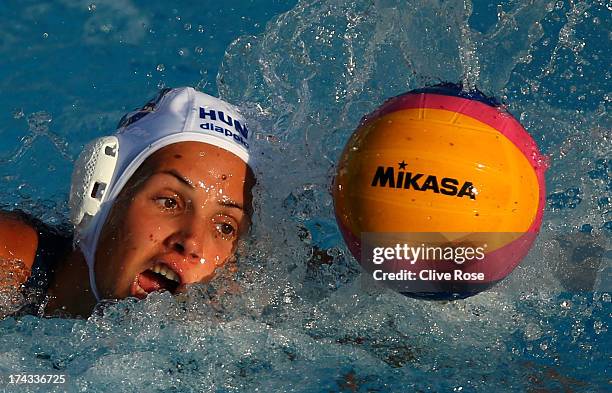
(159, 277)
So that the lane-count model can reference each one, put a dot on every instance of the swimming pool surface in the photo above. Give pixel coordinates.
(305, 72)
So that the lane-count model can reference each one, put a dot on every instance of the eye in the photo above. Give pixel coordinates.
(167, 203)
(226, 229)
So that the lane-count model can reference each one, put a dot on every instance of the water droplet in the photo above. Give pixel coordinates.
(91, 7)
(200, 29)
(187, 26)
(199, 50)
(599, 327)
(18, 113)
(45, 35)
(161, 67)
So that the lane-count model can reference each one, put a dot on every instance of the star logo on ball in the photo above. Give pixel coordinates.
(402, 165)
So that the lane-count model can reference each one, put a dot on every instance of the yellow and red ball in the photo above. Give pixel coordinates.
(442, 161)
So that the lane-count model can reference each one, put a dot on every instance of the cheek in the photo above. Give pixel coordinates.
(146, 239)
(142, 226)
(131, 236)
(220, 253)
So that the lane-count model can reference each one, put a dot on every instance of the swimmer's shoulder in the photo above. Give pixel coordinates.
(18, 238)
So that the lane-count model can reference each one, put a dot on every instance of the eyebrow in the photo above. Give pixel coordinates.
(179, 177)
(189, 183)
(231, 204)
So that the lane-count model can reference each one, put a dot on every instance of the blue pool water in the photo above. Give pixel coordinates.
(304, 73)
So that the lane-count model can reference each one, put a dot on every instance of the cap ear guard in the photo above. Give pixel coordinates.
(93, 172)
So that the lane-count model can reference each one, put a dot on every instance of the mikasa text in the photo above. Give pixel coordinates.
(387, 177)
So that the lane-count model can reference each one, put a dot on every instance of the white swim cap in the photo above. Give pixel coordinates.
(106, 164)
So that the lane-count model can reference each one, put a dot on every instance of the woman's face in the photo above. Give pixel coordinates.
(176, 221)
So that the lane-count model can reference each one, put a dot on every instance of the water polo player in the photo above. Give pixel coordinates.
(157, 206)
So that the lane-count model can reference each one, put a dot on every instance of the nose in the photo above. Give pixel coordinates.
(189, 240)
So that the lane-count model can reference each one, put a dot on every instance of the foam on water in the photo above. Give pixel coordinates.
(299, 315)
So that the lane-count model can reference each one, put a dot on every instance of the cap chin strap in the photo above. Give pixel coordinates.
(92, 284)
(87, 242)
